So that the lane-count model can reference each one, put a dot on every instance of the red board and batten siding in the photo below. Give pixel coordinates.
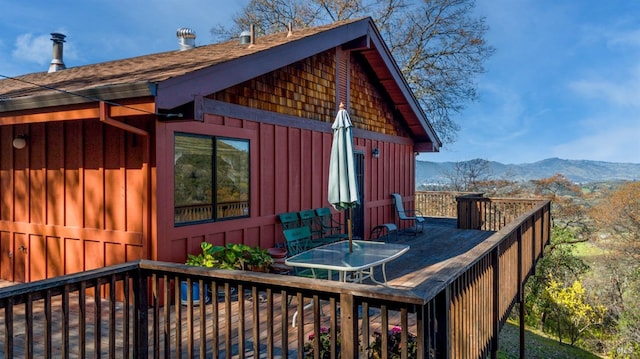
(71, 199)
(289, 172)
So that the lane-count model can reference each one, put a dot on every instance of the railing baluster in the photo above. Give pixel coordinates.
(82, 320)
(156, 313)
(65, 322)
(241, 311)
(112, 316)
(384, 331)
(47, 327)
(284, 310)
(167, 319)
(178, 317)
(8, 328)
(190, 318)
(141, 317)
(256, 321)
(29, 339)
(203, 318)
(97, 320)
(127, 317)
(404, 334)
(270, 322)
(215, 320)
(227, 316)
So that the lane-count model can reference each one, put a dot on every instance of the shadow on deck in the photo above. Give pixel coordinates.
(435, 248)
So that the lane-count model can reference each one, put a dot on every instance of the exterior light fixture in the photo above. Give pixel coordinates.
(375, 152)
(20, 142)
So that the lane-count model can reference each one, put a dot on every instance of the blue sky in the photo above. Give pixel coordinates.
(564, 81)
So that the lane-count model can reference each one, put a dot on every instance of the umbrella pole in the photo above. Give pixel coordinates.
(349, 233)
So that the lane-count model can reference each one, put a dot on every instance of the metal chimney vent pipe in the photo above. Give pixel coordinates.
(56, 62)
(186, 38)
(248, 37)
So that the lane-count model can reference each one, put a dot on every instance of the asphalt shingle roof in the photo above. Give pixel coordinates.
(148, 68)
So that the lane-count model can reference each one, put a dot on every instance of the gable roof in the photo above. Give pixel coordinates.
(176, 77)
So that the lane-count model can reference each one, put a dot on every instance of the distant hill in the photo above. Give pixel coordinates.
(580, 171)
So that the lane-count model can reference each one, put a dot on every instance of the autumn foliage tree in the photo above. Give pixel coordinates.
(568, 205)
(617, 216)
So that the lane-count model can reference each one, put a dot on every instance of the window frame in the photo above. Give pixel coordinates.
(214, 141)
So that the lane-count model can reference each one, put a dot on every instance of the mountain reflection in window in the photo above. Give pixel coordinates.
(211, 178)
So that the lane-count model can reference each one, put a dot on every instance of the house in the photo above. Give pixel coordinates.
(144, 158)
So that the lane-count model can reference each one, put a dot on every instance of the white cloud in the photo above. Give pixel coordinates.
(33, 48)
(38, 48)
(620, 93)
(612, 143)
(627, 38)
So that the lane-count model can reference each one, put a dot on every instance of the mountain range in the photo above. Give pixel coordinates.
(579, 171)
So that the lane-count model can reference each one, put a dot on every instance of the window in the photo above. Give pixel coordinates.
(211, 178)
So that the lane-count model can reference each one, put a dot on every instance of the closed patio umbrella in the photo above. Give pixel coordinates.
(343, 191)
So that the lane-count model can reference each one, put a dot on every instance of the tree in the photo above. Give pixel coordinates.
(469, 175)
(438, 44)
(617, 216)
(568, 205)
(558, 263)
(571, 311)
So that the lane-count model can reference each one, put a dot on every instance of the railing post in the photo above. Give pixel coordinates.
(141, 320)
(442, 315)
(348, 326)
(495, 263)
(424, 324)
(520, 290)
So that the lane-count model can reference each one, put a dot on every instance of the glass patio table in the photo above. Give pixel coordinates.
(360, 263)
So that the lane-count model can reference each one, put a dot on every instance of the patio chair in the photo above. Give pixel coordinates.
(332, 229)
(308, 219)
(298, 240)
(289, 220)
(408, 215)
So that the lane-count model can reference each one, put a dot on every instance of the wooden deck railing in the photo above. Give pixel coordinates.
(490, 214)
(472, 209)
(119, 311)
(438, 204)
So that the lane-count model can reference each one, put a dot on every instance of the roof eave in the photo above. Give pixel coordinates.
(407, 93)
(62, 98)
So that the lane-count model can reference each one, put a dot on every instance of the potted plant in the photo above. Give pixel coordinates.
(202, 259)
(259, 260)
(231, 256)
(238, 256)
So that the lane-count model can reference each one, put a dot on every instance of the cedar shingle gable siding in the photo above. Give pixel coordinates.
(307, 89)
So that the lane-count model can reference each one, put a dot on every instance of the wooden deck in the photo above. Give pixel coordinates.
(438, 246)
